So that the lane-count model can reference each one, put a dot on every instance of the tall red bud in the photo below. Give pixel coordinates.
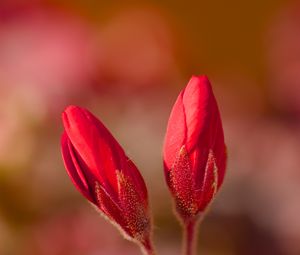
(194, 149)
(100, 170)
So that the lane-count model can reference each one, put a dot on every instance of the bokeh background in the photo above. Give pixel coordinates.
(126, 61)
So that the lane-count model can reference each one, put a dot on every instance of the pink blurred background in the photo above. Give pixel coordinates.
(126, 62)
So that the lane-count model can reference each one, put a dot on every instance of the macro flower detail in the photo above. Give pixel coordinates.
(194, 149)
(101, 171)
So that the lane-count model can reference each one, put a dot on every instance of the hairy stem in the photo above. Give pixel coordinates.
(190, 237)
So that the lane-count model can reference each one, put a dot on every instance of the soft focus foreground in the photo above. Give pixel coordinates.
(127, 64)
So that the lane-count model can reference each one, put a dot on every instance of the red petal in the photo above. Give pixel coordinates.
(210, 183)
(73, 169)
(95, 145)
(199, 103)
(219, 150)
(135, 176)
(176, 133)
(190, 119)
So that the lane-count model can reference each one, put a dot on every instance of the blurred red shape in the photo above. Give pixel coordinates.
(137, 48)
(46, 51)
(282, 44)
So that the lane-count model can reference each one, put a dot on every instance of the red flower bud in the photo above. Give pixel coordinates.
(100, 170)
(194, 149)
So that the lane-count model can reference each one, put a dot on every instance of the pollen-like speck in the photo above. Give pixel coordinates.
(182, 184)
(134, 211)
(106, 204)
(216, 176)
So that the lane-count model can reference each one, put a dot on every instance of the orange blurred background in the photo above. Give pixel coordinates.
(126, 62)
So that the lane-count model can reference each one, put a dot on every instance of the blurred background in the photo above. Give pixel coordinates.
(126, 61)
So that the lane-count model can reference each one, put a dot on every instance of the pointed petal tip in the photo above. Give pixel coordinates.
(73, 114)
(71, 109)
(197, 82)
(199, 78)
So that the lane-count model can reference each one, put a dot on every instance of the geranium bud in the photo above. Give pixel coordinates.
(194, 149)
(100, 170)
